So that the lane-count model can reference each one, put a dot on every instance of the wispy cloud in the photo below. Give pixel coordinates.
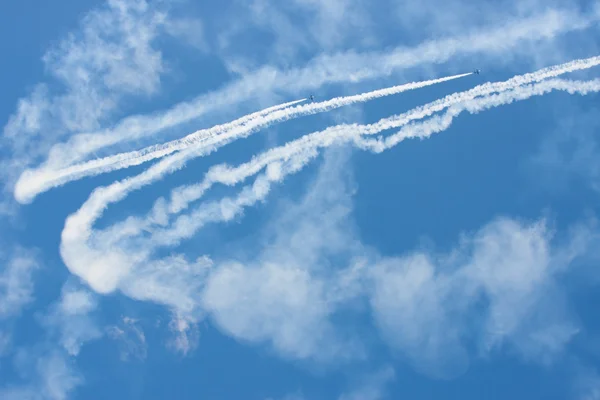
(48, 367)
(587, 385)
(185, 333)
(111, 55)
(302, 25)
(280, 294)
(53, 379)
(70, 319)
(569, 154)
(499, 287)
(16, 283)
(426, 303)
(427, 306)
(371, 387)
(131, 338)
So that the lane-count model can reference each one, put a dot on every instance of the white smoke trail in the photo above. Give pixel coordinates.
(491, 42)
(104, 268)
(44, 177)
(32, 182)
(290, 158)
(101, 197)
(181, 197)
(35, 181)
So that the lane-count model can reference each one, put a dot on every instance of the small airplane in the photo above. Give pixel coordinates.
(477, 71)
(311, 97)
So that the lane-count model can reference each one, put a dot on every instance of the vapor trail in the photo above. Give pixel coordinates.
(91, 263)
(35, 181)
(45, 178)
(182, 197)
(205, 141)
(279, 162)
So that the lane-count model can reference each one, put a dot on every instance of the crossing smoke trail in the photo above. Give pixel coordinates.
(90, 263)
(33, 182)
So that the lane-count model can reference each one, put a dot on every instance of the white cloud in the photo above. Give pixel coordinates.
(53, 379)
(110, 56)
(280, 304)
(5, 341)
(185, 334)
(283, 295)
(590, 387)
(451, 16)
(71, 319)
(500, 287)
(188, 29)
(413, 307)
(372, 387)
(58, 379)
(513, 266)
(45, 367)
(131, 338)
(302, 25)
(241, 295)
(16, 284)
(48, 367)
(569, 154)
(287, 293)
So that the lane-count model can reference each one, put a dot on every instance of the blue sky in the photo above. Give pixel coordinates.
(407, 246)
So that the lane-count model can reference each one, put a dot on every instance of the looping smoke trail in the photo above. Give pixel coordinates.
(89, 263)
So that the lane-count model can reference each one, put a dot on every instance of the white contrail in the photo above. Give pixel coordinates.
(103, 196)
(32, 182)
(492, 42)
(104, 268)
(35, 181)
(188, 194)
(290, 158)
(44, 177)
